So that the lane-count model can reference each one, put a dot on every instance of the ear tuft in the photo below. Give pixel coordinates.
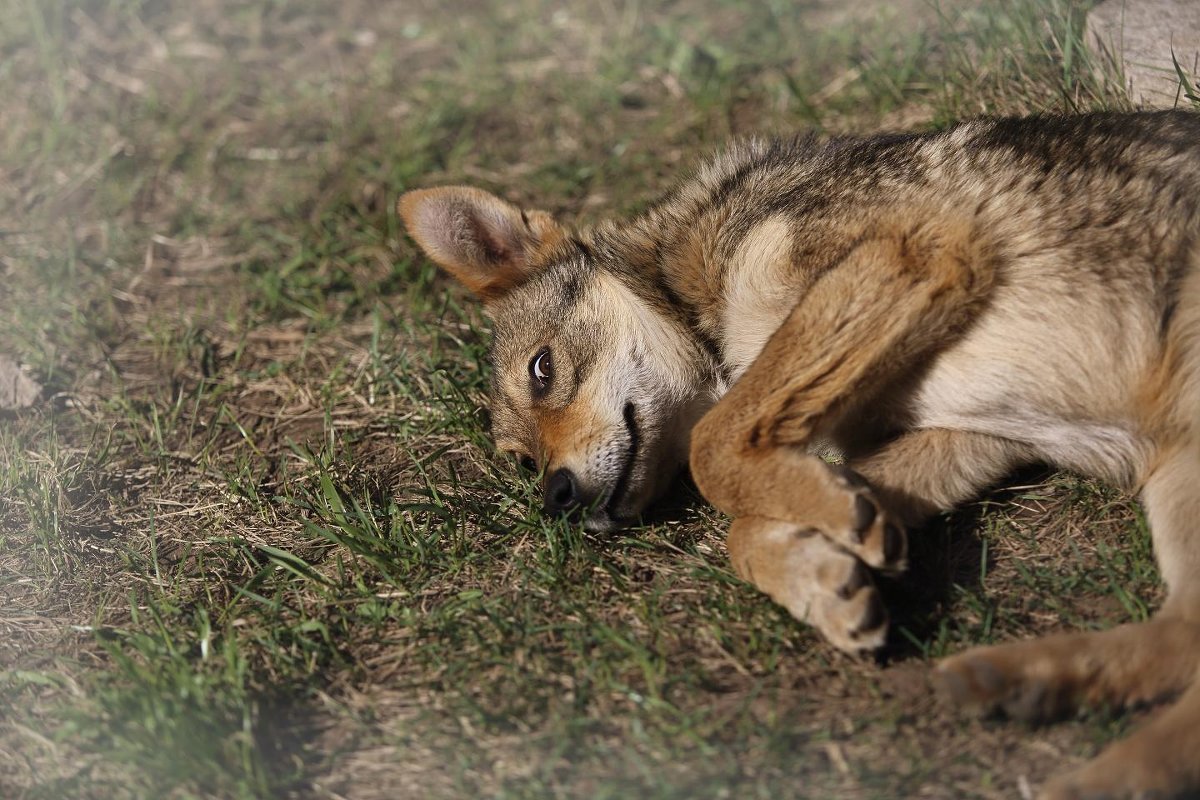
(486, 243)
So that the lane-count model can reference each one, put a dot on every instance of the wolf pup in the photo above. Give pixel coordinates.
(937, 308)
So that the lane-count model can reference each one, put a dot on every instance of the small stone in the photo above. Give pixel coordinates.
(1140, 36)
(17, 390)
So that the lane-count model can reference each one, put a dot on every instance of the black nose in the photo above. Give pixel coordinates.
(562, 493)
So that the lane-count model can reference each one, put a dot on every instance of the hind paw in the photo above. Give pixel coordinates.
(1007, 679)
(1103, 779)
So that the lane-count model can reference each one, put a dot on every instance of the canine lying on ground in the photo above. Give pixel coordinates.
(936, 308)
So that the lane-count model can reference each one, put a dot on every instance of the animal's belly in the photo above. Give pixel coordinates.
(1112, 449)
(1063, 386)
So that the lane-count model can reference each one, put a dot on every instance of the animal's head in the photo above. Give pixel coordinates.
(596, 379)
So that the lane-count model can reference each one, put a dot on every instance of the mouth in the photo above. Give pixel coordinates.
(629, 413)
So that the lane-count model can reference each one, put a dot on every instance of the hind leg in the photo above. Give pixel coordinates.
(930, 470)
(1128, 665)
(1160, 760)
(1045, 679)
(1172, 500)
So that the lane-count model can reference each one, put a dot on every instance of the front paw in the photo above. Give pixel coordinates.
(816, 580)
(862, 526)
(853, 617)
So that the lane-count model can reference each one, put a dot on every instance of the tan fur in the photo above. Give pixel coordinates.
(936, 310)
(754, 295)
(810, 576)
(488, 249)
(566, 430)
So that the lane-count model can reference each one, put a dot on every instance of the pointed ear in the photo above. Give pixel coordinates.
(484, 242)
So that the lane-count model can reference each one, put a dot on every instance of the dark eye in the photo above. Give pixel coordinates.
(527, 463)
(541, 370)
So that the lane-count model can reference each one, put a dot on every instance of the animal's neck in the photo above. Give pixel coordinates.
(732, 275)
(646, 255)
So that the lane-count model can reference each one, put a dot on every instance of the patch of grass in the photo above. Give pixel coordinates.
(177, 704)
(255, 541)
(1187, 82)
(1024, 57)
